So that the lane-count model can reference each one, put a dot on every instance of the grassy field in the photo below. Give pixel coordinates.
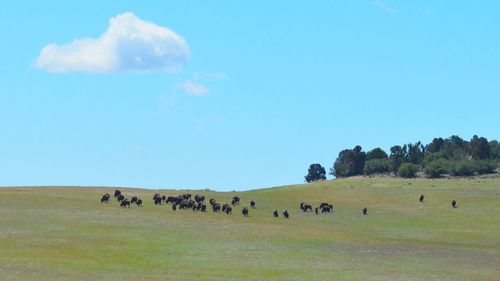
(65, 233)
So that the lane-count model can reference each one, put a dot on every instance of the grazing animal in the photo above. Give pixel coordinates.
(170, 199)
(105, 198)
(216, 208)
(275, 213)
(156, 195)
(316, 210)
(326, 209)
(306, 207)
(236, 200)
(454, 203)
(157, 200)
(212, 202)
(117, 192)
(421, 199)
(125, 203)
(186, 196)
(324, 204)
(252, 204)
(286, 215)
(133, 200)
(163, 198)
(174, 207)
(224, 207)
(365, 211)
(244, 212)
(229, 209)
(120, 198)
(203, 207)
(138, 202)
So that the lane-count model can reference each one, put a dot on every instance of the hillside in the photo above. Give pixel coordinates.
(65, 233)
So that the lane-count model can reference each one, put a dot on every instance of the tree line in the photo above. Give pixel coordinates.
(452, 156)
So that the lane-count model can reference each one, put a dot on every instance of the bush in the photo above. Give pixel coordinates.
(437, 168)
(463, 168)
(485, 166)
(407, 170)
(377, 166)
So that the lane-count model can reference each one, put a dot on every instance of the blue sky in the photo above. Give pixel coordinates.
(254, 92)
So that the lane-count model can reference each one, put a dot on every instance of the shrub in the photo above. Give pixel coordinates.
(437, 168)
(463, 168)
(485, 166)
(377, 166)
(407, 170)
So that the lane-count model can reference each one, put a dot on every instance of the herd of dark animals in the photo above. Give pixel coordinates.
(186, 202)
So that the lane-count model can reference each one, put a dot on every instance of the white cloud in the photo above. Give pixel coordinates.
(129, 44)
(385, 6)
(194, 88)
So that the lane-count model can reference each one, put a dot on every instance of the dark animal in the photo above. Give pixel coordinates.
(105, 198)
(139, 202)
(199, 198)
(275, 213)
(244, 212)
(326, 209)
(324, 204)
(306, 207)
(252, 204)
(233, 202)
(286, 215)
(156, 195)
(212, 202)
(316, 210)
(120, 198)
(216, 208)
(133, 200)
(365, 211)
(157, 200)
(125, 203)
(454, 203)
(224, 207)
(421, 199)
(236, 200)
(163, 198)
(117, 192)
(170, 199)
(229, 209)
(186, 196)
(203, 208)
(174, 206)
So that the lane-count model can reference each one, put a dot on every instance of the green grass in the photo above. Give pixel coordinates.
(65, 233)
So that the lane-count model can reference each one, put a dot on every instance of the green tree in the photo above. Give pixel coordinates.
(377, 166)
(407, 170)
(316, 172)
(397, 157)
(377, 153)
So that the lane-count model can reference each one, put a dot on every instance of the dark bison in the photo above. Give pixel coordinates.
(365, 211)
(252, 204)
(163, 198)
(224, 207)
(117, 192)
(326, 209)
(120, 198)
(229, 210)
(212, 201)
(174, 207)
(454, 203)
(324, 204)
(170, 199)
(125, 203)
(186, 196)
(138, 202)
(235, 200)
(203, 207)
(306, 207)
(316, 210)
(421, 199)
(133, 200)
(216, 208)
(157, 200)
(199, 198)
(156, 195)
(105, 198)
(286, 215)
(275, 213)
(244, 212)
